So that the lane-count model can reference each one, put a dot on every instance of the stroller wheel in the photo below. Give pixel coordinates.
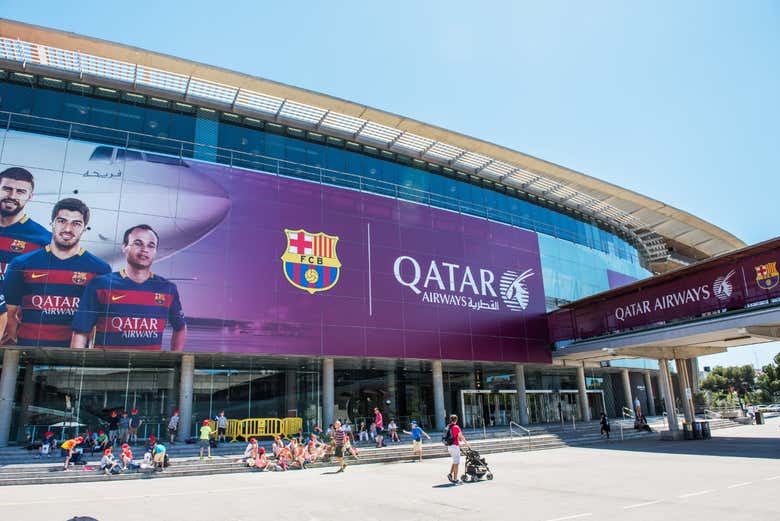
(465, 478)
(489, 476)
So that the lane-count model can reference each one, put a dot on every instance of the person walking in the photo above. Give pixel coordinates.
(222, 423)
(135, 423)
(339, 440)
(173, 425)
(205, 438)
(416, 433)
(605, 428)
(379, 423)
(453, 438)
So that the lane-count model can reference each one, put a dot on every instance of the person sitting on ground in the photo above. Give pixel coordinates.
(151, 442)
(284, 459)
(372, 431)
(349, 448)
(159, 457)
(69, 449)
(48, 443)
(109, 464)
(362, 432)
(127, 458)
(640, 423)
(263, 463)
(205, 438)
(348, 430)
(277, 446)
(393, 430)
(250, 453)
(103, 441)
(298, 455)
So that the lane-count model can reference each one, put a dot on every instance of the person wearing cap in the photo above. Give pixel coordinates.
(134, 425)
(47, 444)
(109, 464)
(416, 433)
(173, 425)
(151, 442)
(205, 438)
(102, 442)
(263, 463)
(159, 456)
(69, 450)
(250, 453)
(127, 458)
(113, 427)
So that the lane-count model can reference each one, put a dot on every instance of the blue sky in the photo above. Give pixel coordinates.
(676, 100)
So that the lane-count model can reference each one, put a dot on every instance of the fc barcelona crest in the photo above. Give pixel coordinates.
(767, 276)
(159, 298)
(310, 261)
(79, 277)
(17, 246)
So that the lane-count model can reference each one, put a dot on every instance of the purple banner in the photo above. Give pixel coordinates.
(732, 282)
(267, 264)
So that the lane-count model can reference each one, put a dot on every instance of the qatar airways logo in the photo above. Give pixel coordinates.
(55, 304)
(722, 289)
(136, 327)
(461, 286)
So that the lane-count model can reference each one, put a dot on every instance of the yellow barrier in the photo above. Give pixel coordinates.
(256, 427)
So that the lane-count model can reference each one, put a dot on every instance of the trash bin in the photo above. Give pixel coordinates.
(706, 433)
(759, 418)
(687, 431)
(696, 430)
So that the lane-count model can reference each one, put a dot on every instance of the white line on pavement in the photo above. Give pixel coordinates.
(772, 478)
(637, 505)
(692, 494)
(575, 516)
(743, 484)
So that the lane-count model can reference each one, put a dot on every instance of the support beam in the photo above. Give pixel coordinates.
(627, 389)
(438, 395)
(685, 389)
(328, 392)
(185, 396)
(522, 398)
(27, 399)
(650, 395)
(582, 391)
(391, 392)
(291, 391)
(694, 363)
(666, 390)
(7, 392)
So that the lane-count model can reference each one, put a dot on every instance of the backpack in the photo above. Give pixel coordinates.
(447, 437)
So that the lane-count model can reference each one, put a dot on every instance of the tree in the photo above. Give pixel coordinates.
(768, 382)
(735, 378)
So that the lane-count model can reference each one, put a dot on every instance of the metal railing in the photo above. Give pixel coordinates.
(188, 150)
(527, 432)
(710, 414)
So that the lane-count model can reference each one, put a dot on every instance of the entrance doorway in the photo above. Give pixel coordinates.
(488, 408)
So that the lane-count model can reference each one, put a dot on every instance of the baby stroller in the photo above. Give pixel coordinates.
(476, 467)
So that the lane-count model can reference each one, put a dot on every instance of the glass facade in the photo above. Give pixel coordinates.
(81, 389)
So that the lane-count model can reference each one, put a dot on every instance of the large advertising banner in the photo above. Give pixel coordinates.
(257, 263)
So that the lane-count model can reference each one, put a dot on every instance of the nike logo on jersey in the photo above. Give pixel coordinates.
(114, 298)
(38, 275)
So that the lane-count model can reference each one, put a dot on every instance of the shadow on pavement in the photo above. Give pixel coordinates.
(735, 447)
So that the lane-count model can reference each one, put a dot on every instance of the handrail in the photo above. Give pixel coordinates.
(628, 412)
(714, 414)
(181, 149)
(513, 425)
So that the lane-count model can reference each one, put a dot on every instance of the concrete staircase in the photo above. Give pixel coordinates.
(18, 466)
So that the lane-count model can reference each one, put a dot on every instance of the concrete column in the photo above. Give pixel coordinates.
(522, 398)
(694, 362)
(7, 391)
(665, 382)
(582, 390)
(185, 396)
(291, 391)
(650, 395)
(328, 392)
(627, 389)
(28, 396)
(685, 386)
(438, 395)
(391, 391)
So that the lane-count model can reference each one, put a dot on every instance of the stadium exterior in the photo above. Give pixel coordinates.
(433, 257)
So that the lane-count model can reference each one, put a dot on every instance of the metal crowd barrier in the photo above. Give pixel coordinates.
(257, 427)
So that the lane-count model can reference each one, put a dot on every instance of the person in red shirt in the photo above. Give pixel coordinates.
(379, 427)
(454, 449)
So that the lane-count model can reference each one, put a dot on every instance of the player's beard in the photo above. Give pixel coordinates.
(10, 213)
(64, 246)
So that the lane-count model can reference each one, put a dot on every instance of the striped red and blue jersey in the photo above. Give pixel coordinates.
(48, 290)
(23, 236)
(129, 315)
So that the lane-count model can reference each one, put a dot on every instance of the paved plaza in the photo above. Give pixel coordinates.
(735, 476)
